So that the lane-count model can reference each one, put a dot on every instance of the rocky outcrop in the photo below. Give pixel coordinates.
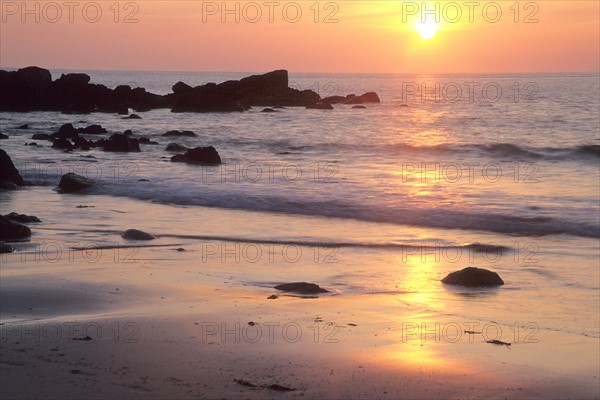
(473, 277)
(71, 182)
(369, 97)
(32, 89)
(9, 175)
(199, 155)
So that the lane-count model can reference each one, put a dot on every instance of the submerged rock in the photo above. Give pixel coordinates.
(320, 106)
(369, 97)
(22, 217)
(3, 136)
(199, 155)
(10, 230)
(473, 277)
(122, 143)
(177, 147)
(358, 107)
(135, 234)
(71, 182)
(133, 116)
(41, 136)
(4, 249)
(9, 175)
(301, 288)
(180, 133)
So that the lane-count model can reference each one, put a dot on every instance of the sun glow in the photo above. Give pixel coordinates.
(427, 30)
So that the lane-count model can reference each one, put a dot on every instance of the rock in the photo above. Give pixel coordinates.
(358, 107)
(62, 143)
(320, 106)
(5, 249)
(178, 158)
(73, 79)
(177, 147)
(8, 172)
(473, 277)
(71, 182)
(203, 155)
(22, 217)
(3, 136)
(128, 132)
(180, 88)
(369, 97)
(145, 140)
(41, 136)
(179, 133)
(119, 142)
(301, 288)
(24, 126)
(268, 110)
(67, 131)
(273, 297)
(133, 116)
(10, 230)
(134, 234)
(92, 130)
(334, 99)
(31, 144)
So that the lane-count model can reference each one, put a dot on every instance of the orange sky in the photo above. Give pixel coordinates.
(369, 36)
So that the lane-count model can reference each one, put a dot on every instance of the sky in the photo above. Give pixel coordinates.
(303, 36)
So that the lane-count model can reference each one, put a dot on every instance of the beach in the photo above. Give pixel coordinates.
(375, 206)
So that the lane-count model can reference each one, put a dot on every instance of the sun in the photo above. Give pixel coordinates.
(427, 29)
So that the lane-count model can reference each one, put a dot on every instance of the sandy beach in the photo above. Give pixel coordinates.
(149, 320)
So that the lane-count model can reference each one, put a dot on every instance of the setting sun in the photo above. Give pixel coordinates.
(427, 30)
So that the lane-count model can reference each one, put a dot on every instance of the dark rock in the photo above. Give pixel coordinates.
(5, 249)
(92, 130)
(134, 234)
(62, 143)
(334, 99)
(145, 140)
(268, 110)
(3, 136)
(41, 136)
(272, 297)
(67, 131)
(7, 185)
(121, 143)
(128, 132)
(177, 147)
(178, 158)
(473, 277)
(24, 126)
(181, 88)
(8, 172)
(31, 144)
(73, 79)
(71, 182)
(133, 116)
(10, 230)
(179, 133)
(301, 288)
(320, 106)
(203, 155)
(22, 218)
(369, 97)
(358, 107)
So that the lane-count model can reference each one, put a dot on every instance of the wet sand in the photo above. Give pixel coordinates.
(156, 322)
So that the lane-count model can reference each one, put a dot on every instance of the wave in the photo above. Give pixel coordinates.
(446, 218)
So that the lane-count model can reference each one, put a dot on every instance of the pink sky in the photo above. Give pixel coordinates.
(344, 36)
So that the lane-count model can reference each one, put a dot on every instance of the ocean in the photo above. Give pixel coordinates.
(395, 195)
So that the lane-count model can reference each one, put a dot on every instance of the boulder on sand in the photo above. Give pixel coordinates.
(135, 234)
(301, 288)
(473, 277)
